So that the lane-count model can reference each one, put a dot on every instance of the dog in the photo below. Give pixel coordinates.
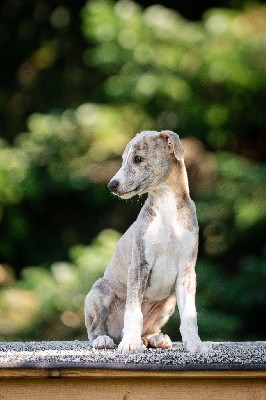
(153, 265)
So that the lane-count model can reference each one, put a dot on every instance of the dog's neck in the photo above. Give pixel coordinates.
(176, 183)
(178, 180)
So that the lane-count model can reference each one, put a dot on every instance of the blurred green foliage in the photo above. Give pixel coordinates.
(200, 78)
(48, 304)
(145, 69)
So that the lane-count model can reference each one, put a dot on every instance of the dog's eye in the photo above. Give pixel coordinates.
(137, 159)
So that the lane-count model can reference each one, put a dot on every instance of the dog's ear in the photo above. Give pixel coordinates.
(173, 143)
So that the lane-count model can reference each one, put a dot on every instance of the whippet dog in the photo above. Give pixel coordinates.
(153, 265)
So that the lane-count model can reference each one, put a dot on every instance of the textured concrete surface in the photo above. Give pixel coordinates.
(78, 354)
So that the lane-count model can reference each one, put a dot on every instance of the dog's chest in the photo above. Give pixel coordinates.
(168, 248)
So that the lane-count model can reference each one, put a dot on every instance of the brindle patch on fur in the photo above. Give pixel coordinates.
(189, 220)
(190, 279)
(194, 253)
(103, 287)
(141, 269)
(142, 147)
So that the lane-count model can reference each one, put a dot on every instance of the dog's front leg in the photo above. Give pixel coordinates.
(185, 292)
(133, 319)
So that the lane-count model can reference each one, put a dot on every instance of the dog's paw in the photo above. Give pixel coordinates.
(160, 341)
(103, 342)
(131, 345)
(197, 346)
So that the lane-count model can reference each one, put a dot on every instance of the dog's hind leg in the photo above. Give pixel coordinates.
(97, 307)
(155, 315)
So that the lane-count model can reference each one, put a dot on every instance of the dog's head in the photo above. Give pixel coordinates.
(147, 162)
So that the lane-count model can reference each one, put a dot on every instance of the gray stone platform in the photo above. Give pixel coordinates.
(78, 354)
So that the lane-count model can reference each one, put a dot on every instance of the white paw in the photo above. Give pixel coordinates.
(197, 346)
(103, 342)
(160, 341)
(131, 345)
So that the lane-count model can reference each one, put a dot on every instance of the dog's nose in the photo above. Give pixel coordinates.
(113, 185)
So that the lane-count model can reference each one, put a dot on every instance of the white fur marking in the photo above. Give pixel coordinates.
(131, 341)
(133, 322)
(165, 240)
